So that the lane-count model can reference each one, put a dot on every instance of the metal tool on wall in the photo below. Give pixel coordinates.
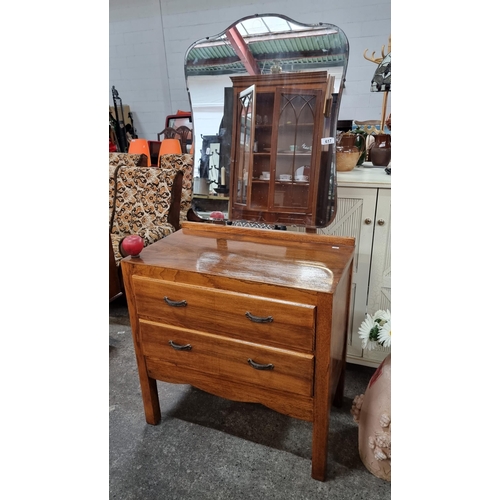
(120, 121)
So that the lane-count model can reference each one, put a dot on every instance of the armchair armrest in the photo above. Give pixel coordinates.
(148, 234)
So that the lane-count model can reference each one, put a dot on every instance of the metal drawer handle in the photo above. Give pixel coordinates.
(258, 319)
(178, 347)
(258, 366)
(175, 303)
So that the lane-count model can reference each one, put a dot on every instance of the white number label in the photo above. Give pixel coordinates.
(327, 140)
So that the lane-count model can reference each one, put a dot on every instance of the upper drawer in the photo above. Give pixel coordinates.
(248, 317)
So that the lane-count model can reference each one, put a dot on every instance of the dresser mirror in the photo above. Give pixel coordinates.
(265, 95)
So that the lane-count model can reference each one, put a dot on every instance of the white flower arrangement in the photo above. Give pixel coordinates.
(376, 330)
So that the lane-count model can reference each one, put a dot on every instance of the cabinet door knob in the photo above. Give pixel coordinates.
(381, 222)
(368, 221)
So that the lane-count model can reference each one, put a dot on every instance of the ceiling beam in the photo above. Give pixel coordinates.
(241, 49)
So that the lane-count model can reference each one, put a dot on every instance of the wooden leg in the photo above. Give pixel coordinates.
(338, 397)
(321, 426)
(150, 400)
(149, 392)
(149, 389)
(319, 450)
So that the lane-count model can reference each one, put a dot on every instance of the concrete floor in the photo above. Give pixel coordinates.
(210, 448)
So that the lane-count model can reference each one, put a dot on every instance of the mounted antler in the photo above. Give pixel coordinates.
(377, 60)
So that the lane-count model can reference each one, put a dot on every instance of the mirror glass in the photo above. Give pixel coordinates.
(246, 164)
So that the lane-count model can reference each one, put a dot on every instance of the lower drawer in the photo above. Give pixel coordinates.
(227, 358)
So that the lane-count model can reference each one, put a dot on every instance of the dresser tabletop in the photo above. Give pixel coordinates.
(293, 260)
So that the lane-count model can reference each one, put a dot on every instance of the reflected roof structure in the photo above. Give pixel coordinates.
(256, 43)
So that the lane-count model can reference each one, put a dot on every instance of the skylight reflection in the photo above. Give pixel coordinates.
(264, 25)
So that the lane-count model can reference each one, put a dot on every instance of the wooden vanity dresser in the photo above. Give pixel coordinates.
(247, 314)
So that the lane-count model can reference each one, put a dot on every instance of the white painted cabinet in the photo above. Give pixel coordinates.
(364, 211)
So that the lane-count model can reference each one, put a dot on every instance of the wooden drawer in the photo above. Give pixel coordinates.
(226, 359)
(217, 311)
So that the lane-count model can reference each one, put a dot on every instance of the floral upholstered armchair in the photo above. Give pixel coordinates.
(149, 201)
(132, 160)
(182, 163)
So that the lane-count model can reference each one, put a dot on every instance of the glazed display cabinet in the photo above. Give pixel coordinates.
(277, 155)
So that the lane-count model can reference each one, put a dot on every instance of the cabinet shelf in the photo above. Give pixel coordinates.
(290, 153)
(292, 183)
(210, 197)
(284, 153)
(281, 183)
(288, 125)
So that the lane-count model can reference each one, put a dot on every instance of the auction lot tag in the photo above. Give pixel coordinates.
(327, 140)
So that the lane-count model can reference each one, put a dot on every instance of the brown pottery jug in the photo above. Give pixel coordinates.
(380, 152)
(348, 153)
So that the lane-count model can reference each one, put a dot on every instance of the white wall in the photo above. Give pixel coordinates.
(148, 40)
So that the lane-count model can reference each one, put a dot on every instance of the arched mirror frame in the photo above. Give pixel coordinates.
(214, 64)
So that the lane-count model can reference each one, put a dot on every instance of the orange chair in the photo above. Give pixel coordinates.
(169, 146)
(140, 146)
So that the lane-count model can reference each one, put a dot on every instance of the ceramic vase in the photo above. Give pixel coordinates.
(348, 153)
(380, 152)
(372, 412)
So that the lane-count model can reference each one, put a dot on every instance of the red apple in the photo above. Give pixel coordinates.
(132, 245)
(216, 215)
